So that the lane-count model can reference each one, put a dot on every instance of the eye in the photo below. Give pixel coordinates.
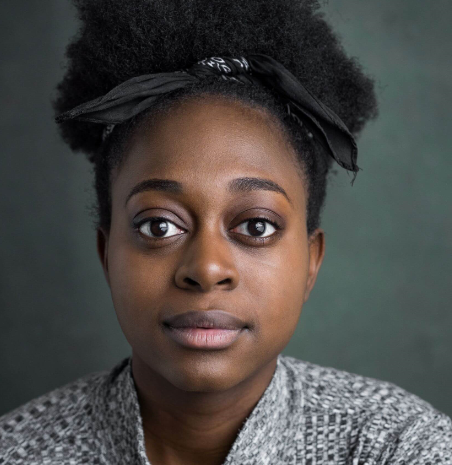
(258, 226)
(157, 227)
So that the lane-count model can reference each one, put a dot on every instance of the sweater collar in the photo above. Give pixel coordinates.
(262, 439)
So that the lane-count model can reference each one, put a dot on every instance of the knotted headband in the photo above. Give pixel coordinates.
(139, 93)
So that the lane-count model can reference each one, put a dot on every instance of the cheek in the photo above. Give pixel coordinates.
(137, 283)
(276, 289)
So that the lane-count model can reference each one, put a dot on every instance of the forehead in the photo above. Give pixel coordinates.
(208, 142)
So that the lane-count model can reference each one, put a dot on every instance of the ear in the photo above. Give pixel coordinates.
(316, 254)
(102, 251)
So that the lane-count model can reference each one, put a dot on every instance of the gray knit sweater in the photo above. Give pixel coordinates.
(308, 415)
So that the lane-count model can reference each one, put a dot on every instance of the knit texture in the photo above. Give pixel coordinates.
(308, 414)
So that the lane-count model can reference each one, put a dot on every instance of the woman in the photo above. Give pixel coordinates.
(212, 127)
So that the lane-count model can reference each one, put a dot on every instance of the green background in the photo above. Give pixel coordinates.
(381, 305)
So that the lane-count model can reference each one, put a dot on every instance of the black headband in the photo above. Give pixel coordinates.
(139, 93)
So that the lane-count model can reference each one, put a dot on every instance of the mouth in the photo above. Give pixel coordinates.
(208, 319)
(210, 329)
(202, 338)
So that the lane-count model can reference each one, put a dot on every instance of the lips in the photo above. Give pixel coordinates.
(209, 319)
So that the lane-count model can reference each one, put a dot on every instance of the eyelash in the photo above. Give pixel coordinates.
(263, 240)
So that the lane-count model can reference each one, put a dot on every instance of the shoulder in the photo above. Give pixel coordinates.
(60, 420)
(330, 388)
(380, 418)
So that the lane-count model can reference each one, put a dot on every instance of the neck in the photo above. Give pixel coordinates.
(192, 427)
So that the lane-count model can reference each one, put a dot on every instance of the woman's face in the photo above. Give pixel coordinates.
(208, 253)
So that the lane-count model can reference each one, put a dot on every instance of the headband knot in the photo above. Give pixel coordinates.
(228, 68)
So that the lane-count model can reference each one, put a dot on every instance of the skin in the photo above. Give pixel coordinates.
(193, 402)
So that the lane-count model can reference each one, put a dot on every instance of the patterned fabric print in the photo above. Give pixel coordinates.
(298, 120)
(308, 415)
(231, 66)
(107, 131)
(229, 69)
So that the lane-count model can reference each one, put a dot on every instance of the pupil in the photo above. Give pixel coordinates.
(161, 227)
(256, 225)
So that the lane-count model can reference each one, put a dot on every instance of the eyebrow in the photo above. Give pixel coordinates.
(237, 185)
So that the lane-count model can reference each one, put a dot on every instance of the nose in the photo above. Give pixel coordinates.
(207, 264)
